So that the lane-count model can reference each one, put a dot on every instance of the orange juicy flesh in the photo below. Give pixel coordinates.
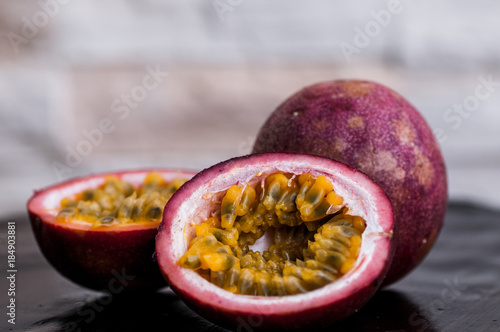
(117, 202)
(316, 241)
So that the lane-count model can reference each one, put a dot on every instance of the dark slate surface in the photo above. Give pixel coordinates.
(457, 288)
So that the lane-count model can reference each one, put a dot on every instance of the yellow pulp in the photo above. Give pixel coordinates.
(117, 202)
(315, 240)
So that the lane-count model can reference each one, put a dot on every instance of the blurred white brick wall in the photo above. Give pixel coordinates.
(226, 75)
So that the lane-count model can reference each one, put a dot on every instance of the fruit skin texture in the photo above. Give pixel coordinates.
(193, 203)
(373, 129)
(113, 259)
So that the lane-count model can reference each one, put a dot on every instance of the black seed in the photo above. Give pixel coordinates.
(219, 235)
(228, 209)
(125, 210)
(154, 213)
(217, 277)
(88, 195)
(107, 220)
(67, 210)
(222, 250)
(136, 211)
(192, 262)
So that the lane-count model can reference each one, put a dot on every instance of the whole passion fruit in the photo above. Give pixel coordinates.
(373, 129)
(99, 231)
(276, 240)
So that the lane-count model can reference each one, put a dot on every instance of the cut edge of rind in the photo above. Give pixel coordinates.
(364, 279)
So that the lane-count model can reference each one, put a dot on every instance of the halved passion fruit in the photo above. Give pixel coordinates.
(99, 231)
(276, 239)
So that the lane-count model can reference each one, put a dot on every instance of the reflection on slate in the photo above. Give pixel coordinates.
(456, 289)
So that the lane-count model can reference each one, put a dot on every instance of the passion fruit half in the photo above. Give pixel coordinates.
(276, 239)
(99, 231)
(372, 128)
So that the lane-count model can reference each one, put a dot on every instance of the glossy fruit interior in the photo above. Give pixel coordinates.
(81, 228)
(118, 202)
(212, 220)
(310, 247)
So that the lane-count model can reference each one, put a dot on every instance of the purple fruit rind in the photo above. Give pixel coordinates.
(373, 129)
(97, 258)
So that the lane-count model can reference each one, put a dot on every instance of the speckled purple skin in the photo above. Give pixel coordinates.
(373, 129)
